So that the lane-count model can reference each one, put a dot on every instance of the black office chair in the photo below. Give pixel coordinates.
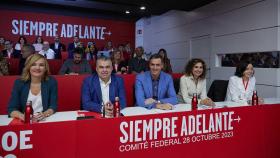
(176, 82)
(218, 90)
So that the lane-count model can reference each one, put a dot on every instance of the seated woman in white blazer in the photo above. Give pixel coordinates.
(194, 82)
(242, 84)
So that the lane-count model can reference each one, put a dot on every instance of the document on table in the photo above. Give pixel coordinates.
(132, 111)
(62, 116)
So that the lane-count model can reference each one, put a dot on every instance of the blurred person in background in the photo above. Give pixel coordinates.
(166, 62)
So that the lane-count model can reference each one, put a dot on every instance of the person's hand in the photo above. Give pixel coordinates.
(165, 106)
(149, 101)
(109, 109)
(207, 102)
(118, 72)
(38, 117)
(21, 117)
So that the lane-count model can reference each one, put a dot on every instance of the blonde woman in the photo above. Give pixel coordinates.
(34, 85)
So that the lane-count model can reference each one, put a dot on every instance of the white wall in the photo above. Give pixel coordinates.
(224, 26)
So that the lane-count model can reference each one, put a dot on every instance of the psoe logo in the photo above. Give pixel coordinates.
(11, 140)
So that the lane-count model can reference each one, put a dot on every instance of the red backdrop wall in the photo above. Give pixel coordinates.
(31, 24)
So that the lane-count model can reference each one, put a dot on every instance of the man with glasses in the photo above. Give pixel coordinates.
(9, 51)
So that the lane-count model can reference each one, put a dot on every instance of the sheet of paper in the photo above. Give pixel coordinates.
(62, 116)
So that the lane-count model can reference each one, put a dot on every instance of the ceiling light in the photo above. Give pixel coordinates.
(127, 12)
(142, 7)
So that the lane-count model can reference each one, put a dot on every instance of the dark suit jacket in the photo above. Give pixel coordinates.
(15, 54)
(122, 64)
(92, 95)
(57, 51)
(21, 90)
(137, 65)
(70, 50)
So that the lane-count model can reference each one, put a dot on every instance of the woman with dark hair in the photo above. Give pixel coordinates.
(194, 82)
(242, 84)
(34, 85)
(21, 41)
(91, 52)
(166, 62)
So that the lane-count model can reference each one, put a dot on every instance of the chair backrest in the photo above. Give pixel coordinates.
(55, 65)
(92, 64)
(176, 81)
(13, 66)
(69, 91)
(64, 55)
(6, 86)
(218, 90)
(129, 80)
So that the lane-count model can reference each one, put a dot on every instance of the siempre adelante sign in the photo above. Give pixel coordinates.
(176, 130)
(30, 25)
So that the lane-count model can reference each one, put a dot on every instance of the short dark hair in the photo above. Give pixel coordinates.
(104, 58)
(155, 56)
(192, 63)
(241, 67)
(24, 38)
(79, 51)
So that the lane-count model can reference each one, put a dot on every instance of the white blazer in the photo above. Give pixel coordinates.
(236, 90)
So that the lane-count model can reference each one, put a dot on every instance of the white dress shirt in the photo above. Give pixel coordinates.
(188, 87)
(236, 90)
(17, 46)
(105, 87)
(36, 101)
(49, 54)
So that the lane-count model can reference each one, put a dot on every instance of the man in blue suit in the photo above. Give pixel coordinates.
(154, 88)
(102, 88)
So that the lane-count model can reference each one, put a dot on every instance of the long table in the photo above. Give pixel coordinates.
(231, 131)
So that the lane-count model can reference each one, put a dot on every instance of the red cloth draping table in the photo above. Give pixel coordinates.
(255, 135)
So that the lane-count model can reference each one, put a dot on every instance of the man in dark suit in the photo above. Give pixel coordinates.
(102, 88)
(72, 46)
(57, 47)
(9, 51)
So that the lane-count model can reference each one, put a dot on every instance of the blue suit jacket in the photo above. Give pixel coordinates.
(92, 95)
(144, 89)
(21, 90)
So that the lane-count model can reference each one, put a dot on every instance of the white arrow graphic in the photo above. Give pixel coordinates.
(108, 33)
(237, 119)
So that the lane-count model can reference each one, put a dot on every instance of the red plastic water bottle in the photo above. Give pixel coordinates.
(117, 107)
(194, 102)
(255, 98)
(28, 114)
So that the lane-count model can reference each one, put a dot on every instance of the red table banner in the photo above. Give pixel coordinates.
(251, 132)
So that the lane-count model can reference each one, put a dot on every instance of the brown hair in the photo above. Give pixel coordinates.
(190, 65)
(29, 62)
